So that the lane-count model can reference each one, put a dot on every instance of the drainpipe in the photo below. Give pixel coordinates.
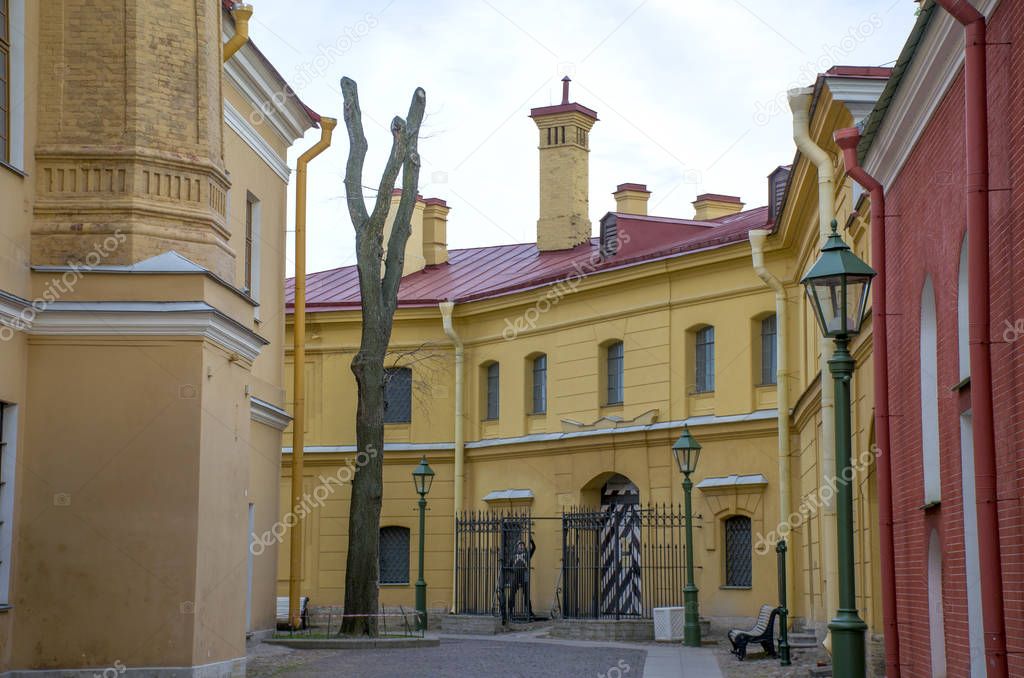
(757, 238)
(446, 308)
(299, 371)
(800, 104)
(976, 124)
(847, 139)
(241, 13)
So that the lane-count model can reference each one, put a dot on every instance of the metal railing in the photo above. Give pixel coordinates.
(622, 561)
(493, 566)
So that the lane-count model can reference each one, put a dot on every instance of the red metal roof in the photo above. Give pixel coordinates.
(484, 272)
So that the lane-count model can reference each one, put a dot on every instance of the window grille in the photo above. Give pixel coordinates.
(394, 555)
(397, 395)
(737, 551)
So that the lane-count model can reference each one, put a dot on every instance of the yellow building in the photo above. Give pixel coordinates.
(554, 374)
(143, 176)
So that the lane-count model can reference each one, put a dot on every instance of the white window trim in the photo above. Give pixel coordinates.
(254, 263)
(17, 84)
(929, 394)
(7, 473)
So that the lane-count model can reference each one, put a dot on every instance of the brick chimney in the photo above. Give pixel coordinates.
(435, 231)
(631, 198)
(564, 172)
(709, 206)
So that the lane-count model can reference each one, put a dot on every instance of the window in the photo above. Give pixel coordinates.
(8, 446)
(704, 365)
(397, 395)
(737, 551)
(615, 381)
(769, 346)
(929, 395)
(540, 384)
(963, 315)
(492, 391)
(394, 555)
(5, 81)
(252, 228)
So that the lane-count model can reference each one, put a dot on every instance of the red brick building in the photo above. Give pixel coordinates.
(959, 558)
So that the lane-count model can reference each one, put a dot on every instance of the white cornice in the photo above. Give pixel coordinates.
(702, 420)
(266, 92)
(931, 71)
(271, 415)
(12, 312)
(148, 318)
(258, 144)
(857, 94)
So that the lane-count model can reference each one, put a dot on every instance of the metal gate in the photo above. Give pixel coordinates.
(622, 560)
(494, 551)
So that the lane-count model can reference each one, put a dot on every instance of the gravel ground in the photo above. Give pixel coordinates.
(761, 666)
(453, 658)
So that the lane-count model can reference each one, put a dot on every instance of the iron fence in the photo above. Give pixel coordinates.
(622, 561)
(494, 551)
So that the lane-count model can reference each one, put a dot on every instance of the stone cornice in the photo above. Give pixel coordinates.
(258, 144)
(271, 415)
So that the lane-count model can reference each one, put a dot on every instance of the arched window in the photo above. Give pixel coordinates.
(936, 621)
(394, 555)
(614, 356)
(962, 314)
(491, 384)
(704, 360)
(737, 551)
(540, 384)
(769, 349)
(929, 395)
(397, 395)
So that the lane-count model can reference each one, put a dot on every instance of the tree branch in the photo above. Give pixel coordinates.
(356, 153)
(410, 182)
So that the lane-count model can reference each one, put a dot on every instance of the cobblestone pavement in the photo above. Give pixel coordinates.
(757, 665)
(453, 658)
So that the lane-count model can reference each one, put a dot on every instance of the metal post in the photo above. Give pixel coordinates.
(691, 625)
(421, 585)
(784, 659)
(847, 627)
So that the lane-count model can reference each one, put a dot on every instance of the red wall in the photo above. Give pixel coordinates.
(925, 228)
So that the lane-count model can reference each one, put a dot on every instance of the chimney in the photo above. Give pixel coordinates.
(631, 199)
(564, 173)
(710, 206)
(435, 231)
(414, 260)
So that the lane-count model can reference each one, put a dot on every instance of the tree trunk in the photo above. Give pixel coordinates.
(379, 298)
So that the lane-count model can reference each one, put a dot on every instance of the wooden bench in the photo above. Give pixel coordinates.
(763, 632)
(282, 611)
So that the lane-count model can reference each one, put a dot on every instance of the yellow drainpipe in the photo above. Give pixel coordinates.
(241, 13)
(800, 103)
(299, 372)
(757, 238)
(446, 308)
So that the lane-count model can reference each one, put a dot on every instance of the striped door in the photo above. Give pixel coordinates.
(620, 550)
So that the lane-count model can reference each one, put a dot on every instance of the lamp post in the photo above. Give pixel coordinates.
(687, 451)
(422, 477)
(837, 286)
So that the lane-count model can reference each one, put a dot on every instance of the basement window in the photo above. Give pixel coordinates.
(397, 395)
(394, 555)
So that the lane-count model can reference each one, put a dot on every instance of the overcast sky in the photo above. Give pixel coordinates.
(690, 95)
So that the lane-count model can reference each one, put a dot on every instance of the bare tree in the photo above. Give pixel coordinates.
(379, 296)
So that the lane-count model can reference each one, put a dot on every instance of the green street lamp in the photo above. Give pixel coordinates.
(687, 451)
(422, 478)
(837, 286)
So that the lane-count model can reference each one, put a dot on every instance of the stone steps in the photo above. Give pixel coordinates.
(820, 672)
(803, 640)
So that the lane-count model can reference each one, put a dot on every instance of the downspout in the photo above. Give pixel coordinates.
(241, 13)
(847, 139)
(757, 238)
(800, 104)
(976, 124)
(299, 369)
(446, 308)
